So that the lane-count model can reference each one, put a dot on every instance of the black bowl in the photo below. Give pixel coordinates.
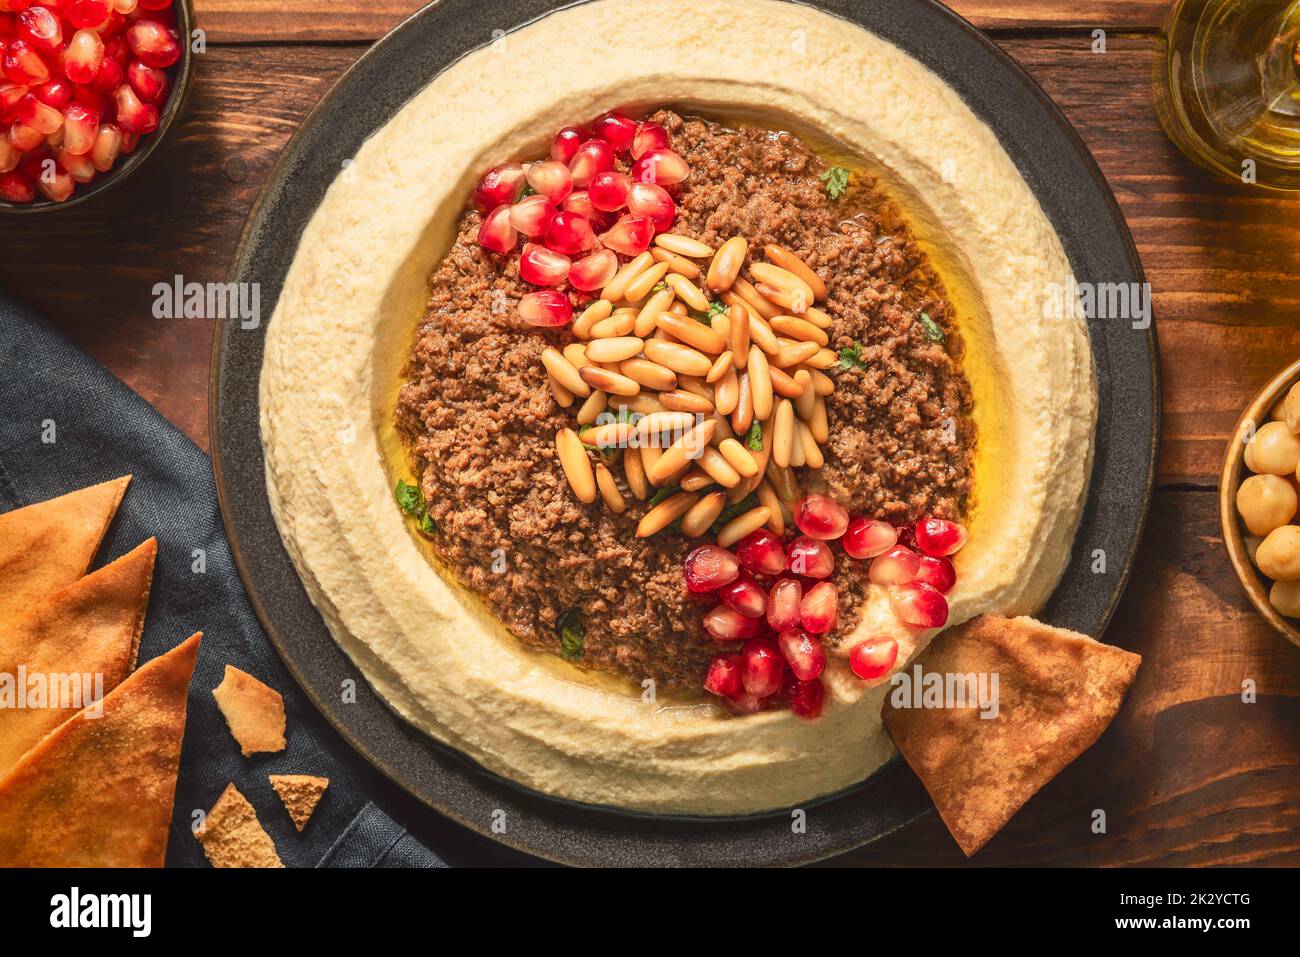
(179, 76)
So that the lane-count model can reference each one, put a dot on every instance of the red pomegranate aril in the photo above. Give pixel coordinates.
(24, 138)
(820, 517)
(83, 56)
(895, 567)
(92, 99)
(763, 667)
(724, 675)
(41, 28)
(16, 188)
(547, 308)
(129, 142)
(661, 166)
(41, 117)
(874, 657)
(811, 558)
(58, 187)
(919, 605)
(568, 232)
(109, 78)
(565, 145)
(531, 214)
(761, 552)
(150, 84)
(708, 567)
(783, 604)
(56, 93)
(938, 536)
(78, 167)
(500, 184)
(630, 236)
(550, 178)
(11, 94)
(152, 43)
(592, 157)
(744, 597)
(937, 572)
(725, 624)
(80, 126)
(649, 136)
(132, 115)
(820, 609)
(616, 130)
(806, 699)
(594, 271)
(22, 64)
(9, 155)
(543, 267)
(125, 7)
(805, 654)
(88, 13)
(14, 6)
(608, 190)
(745, 703)
(653, 202)
(107, 147)
(868, 537)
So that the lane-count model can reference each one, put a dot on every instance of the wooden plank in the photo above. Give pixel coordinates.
(244, 21)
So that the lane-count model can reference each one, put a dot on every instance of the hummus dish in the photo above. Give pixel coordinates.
(631, 429)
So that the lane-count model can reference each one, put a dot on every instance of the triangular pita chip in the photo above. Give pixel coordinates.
(1056, 693)
(69, 649)
(254, 712)
(232, 836)
(300, 793)
(98, 792)
(51, 544)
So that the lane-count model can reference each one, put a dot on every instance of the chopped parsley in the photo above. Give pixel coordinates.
(851, 357)
(837, 181)
(702, 317)
(717, 308)
(754, 437)
(932, 330)
(573, 634)
(663, 495)
(411, 502)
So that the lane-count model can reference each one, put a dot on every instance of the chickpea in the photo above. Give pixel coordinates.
(1291, 408)
(1276, 450)
(1278, 556)
(1265, 502)
(1285, 597)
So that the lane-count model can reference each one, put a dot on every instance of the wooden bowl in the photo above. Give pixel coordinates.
(1234, 465)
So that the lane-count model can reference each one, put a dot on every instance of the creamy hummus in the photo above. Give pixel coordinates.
(357, 287)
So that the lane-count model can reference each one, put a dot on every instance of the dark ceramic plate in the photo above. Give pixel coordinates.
(1068, 184)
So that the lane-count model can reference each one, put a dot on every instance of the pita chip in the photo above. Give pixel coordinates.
(98, 792)
(1057, 691)
(69, 649)
(51, 544)
(232, 836)
(253, 712)
(300, 793)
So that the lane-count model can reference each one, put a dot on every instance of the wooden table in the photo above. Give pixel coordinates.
(1189, 774)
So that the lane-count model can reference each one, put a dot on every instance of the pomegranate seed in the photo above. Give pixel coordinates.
(9, 156)
(869, 537)
(531, 214)
(569, 233)
(125, 7)
(745, 703)
(25, 138)
(545, 308)
(56, 188)
(874, 657)
(724, 624)
(542, 267)
(653, 202)
(41, 28)
(811, 558)
(919, 605)
(129, 142)
(608, 190)
(11, 94)
(593, 272)
(937, 572)
(14, 6)
(616, 130)
(150, 84)
(109, 77)
(806, 699)
(83, 56)
(113, 26)
(56, 93)
(500, 184)
(630, 236)
(761, 552)
(88, 13)
(78, 167)
(551, 179)
(108, 144)
(820, 609)
(565, 145)
(804, 653)
(155, 5)
(132, 115)
(744, 597)
(783, 604)
(762, 666)
(153, 43)
(41, 117)
(724, 675)
(649, 136)
(22, 64)
(820, 517)
(938, 536)
(708, 568)
(895, 567)
(80, 126)
(592, 157)
(661, 166)
(16, 188)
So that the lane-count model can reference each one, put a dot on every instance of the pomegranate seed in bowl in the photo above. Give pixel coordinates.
(938, 536)
(150, 84)
(545, 308)
(83, 56)
(820, 517)
(895, 567)
(592, 157)
(566, 143)
(805, 654)
(41, 28)
(56, 188)
(662, 166)
(500, 184)
(874, 657)
(550, 178)
(16, 188)
(80, 126)
(630, 236)
(567, 232)
(594, 271)
(616, 130)
(56, 93)
(937, 572)
(531, 214)
(744, 597)
(153, 43)
(724, 675)
(22, 64)
(868, 537)
(107, 147)
(649, 136)
(542, 267)
(89, 13)
(132, 115)
(919, 605)
(811, 558)
(783, 604)
(608, 190)
(652, 202)
(708, 568)
(762, 668)
(761, 552)
(820, 609)
(806, 699)
(724, 624)
(497, 233)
